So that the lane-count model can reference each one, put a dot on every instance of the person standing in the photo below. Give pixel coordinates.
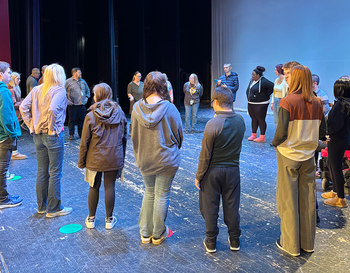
(193, 92)
(41, 80)
(230, 80)
(157, 139)
(10, 131)
(218, 170)
(320, 94)
(135, 91)
(44, 112)
(102, 151)
(280, 90)
(301, 124)
(32, 80)
(339, 133)
(78, 93)
(258, 94)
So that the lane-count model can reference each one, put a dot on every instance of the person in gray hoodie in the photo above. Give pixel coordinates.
(102, 151)
(157, 138)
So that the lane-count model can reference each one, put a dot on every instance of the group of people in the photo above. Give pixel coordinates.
(157, 122)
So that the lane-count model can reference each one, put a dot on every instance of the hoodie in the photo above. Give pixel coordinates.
(157, 137)
(103, 140)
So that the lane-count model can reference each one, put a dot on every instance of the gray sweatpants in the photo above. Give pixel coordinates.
(296, 203)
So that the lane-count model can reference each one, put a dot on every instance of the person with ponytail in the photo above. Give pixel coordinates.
(258, 94)
(102, 151)
(44, 112)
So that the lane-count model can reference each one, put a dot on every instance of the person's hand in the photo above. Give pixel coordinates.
(196, 182)
(224, 85)
(219, 82)
(69, 103)
(131, 98)
(272, 106)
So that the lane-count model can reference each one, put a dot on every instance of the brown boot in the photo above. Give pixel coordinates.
(336, 202)
(330, 194)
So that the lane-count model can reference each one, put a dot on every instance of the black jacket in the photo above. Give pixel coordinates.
(261, 91)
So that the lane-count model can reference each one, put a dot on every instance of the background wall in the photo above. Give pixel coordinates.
(314, 33)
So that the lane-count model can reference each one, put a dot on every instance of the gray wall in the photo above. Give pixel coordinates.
(251, 33)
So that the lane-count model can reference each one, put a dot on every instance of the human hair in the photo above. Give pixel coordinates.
(259, 70)
(345, 77)
(227, 64)
(54, 75)
(4, 66)
(224, 97)
(43, 68)
(35, 70)
(155, 82)
(196, 82)
(166, 77)
(279, 69)
(103, 96)
(341, 88)
(290, 65)
(74, 70)
(14, 85)
(316, 79)
(301, 80)
(133, 77)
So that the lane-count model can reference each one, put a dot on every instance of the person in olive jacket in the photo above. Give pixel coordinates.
(258, 94)
(102, 151)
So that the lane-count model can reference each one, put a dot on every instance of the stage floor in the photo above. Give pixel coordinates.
(29, 242)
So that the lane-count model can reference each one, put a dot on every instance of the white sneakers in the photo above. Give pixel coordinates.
(110, 222)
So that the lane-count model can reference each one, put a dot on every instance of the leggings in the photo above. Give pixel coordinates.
(336, 149)
(109, 183)
(258, 114)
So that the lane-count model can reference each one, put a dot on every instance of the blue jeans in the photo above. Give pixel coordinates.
(191, 116)
(49, 152)
(6, 148)
(276, 105)
(155, 205)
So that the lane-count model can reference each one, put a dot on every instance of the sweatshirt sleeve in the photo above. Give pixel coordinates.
(26, 107)
(282, 127)
(235, 84)
(335, 120)
(6, 117)
(58, 102)
(84, 143)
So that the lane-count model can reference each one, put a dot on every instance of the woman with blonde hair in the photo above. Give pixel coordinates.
(44, 112)
(17, 100)
(193, 91)
(102, 151)
(300, 125)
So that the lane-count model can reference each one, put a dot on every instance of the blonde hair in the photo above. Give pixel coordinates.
(196, 83)
(14, 85)
(54, 75)
(301, 80)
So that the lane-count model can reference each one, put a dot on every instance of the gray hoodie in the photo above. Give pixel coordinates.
(157, 137)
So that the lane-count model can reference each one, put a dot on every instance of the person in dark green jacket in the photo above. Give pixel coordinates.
(9, 133)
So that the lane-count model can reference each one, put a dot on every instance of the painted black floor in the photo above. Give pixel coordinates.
(29, 242)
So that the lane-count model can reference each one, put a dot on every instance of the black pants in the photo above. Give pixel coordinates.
(336, 149)
(74, 112)
(94, 192)
(218, 182)
(257, 112)
(6, 148)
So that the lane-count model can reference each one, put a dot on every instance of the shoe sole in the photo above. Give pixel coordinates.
(162, 239)
(89, 224)
(335, 205)
(207, 249)
(57, 214)
(10, 206)
(281, 248)
(111, 225)
(146, 240)
(308, 251)
(233, 248)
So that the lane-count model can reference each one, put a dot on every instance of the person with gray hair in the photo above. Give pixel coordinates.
(229, 79)
(320, 94)
(32, 80)
(10, 131)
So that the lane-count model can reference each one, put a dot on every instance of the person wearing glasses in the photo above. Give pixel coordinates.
(78, 93)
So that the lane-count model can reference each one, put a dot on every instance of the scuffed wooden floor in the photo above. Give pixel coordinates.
(31, 243)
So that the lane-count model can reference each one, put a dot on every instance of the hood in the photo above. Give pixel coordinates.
(108, 112)
(149, 115)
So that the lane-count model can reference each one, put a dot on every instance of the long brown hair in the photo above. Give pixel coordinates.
(301, 80)
(103, 96)
(155, 82)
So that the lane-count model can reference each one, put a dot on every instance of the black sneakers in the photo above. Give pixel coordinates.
(209, 246)
(234, 244)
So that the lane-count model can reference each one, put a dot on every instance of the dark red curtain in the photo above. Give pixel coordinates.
(5, 49)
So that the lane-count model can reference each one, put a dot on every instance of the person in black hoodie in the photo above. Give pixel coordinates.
(338, 127)
(157, 138)
(102, 151)
(258, 94)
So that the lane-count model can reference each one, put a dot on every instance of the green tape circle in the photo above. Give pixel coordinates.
(72, 228)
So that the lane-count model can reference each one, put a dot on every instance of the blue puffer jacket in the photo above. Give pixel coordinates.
(9, 126)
